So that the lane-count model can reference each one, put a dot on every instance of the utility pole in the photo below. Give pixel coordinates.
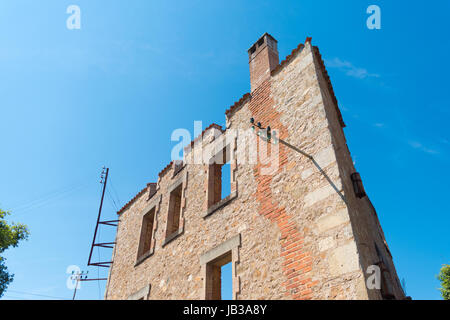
(99, 210)
(78, 276)
(110, 245)
(112, 223)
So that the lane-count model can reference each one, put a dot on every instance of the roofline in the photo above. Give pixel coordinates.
(244, 99)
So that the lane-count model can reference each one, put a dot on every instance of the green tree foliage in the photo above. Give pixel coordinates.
(10, 235)
(444, 278)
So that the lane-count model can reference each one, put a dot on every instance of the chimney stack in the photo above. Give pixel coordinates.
(263, 58)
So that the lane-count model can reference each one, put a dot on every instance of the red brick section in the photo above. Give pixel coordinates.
(297, 260)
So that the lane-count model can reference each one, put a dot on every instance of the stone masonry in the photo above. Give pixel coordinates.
(301, 229)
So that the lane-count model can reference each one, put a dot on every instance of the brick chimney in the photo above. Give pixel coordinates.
(263, 58)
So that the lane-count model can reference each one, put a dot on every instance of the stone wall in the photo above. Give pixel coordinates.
(302, 232)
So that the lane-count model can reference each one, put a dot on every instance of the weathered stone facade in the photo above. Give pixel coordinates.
(295, 230)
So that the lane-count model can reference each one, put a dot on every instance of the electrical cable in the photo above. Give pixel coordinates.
(45, 202)
(116, 193)
(44, 197)
(112, 200)
(35, 294)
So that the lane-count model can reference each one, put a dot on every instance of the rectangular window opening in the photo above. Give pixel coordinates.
(146, 233)
(219, 284)
(226, 180)
(227, 282)
(173, 219)
(219, 177)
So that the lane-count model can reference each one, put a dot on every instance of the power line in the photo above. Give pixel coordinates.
(43, 202)
(14, 297)
(47, 196)
(99, 255)
(115, 192)
(36, 294)
(112, 200)
(98, 267)
(43, 197)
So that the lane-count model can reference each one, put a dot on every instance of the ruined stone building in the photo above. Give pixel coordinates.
(303, 230)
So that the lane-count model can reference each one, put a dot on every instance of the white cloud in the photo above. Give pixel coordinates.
(418, 146)
(350, 69)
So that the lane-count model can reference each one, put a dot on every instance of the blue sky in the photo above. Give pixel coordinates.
(112, 92)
